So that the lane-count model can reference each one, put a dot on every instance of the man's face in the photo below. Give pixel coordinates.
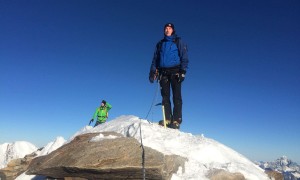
(168, 31)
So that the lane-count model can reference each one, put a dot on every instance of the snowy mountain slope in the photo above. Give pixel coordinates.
(51, 146)
(203, 154)
(18, 149)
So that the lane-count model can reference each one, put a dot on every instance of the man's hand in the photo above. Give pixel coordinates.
(181, 75)
(152, 76)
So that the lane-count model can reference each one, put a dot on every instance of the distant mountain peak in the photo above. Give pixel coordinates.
(18, 149)
(287, 167)
(284, 161)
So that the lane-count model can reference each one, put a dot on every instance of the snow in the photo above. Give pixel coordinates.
(101, 137)
(203, 153)
(283, 165)
(51, 146)
(29, 177)
(296, 174)
(18, 149)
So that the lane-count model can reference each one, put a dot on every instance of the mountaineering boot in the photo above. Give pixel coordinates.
(174, 125)
(161, 122)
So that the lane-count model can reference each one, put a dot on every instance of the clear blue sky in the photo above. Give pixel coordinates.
(60, 58)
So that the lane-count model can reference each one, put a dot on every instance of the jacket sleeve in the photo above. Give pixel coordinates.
(155, 59)
(183, 51)
(108, 106)
(96, 114)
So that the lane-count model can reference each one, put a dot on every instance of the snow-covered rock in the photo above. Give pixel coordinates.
(18, 149)
(204, 154)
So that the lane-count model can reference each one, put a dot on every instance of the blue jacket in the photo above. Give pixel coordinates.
(168, 55)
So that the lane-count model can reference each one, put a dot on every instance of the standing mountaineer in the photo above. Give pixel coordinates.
(101, 113)
(169, 65)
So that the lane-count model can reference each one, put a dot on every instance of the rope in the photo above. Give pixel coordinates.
(153, 101)
(143, 153)
(142, 146)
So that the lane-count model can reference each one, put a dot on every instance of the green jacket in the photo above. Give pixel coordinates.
(101, 113)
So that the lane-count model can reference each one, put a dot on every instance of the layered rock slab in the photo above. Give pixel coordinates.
(111, 156)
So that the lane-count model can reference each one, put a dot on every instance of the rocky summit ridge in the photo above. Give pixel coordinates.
(113, 151)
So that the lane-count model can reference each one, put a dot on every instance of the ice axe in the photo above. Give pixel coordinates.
(91, 121)
(163, 112)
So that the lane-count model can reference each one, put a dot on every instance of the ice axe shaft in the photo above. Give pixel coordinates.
(163, 112)
(164, 116)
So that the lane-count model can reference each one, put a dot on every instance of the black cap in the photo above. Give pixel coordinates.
(170, 25)
(104, 102)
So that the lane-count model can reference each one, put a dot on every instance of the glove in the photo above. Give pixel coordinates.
(181, 75)
(152, 76)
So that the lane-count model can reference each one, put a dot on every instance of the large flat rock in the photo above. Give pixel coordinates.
(112, 157)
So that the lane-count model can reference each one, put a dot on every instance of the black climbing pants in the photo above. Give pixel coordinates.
(168, 81)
